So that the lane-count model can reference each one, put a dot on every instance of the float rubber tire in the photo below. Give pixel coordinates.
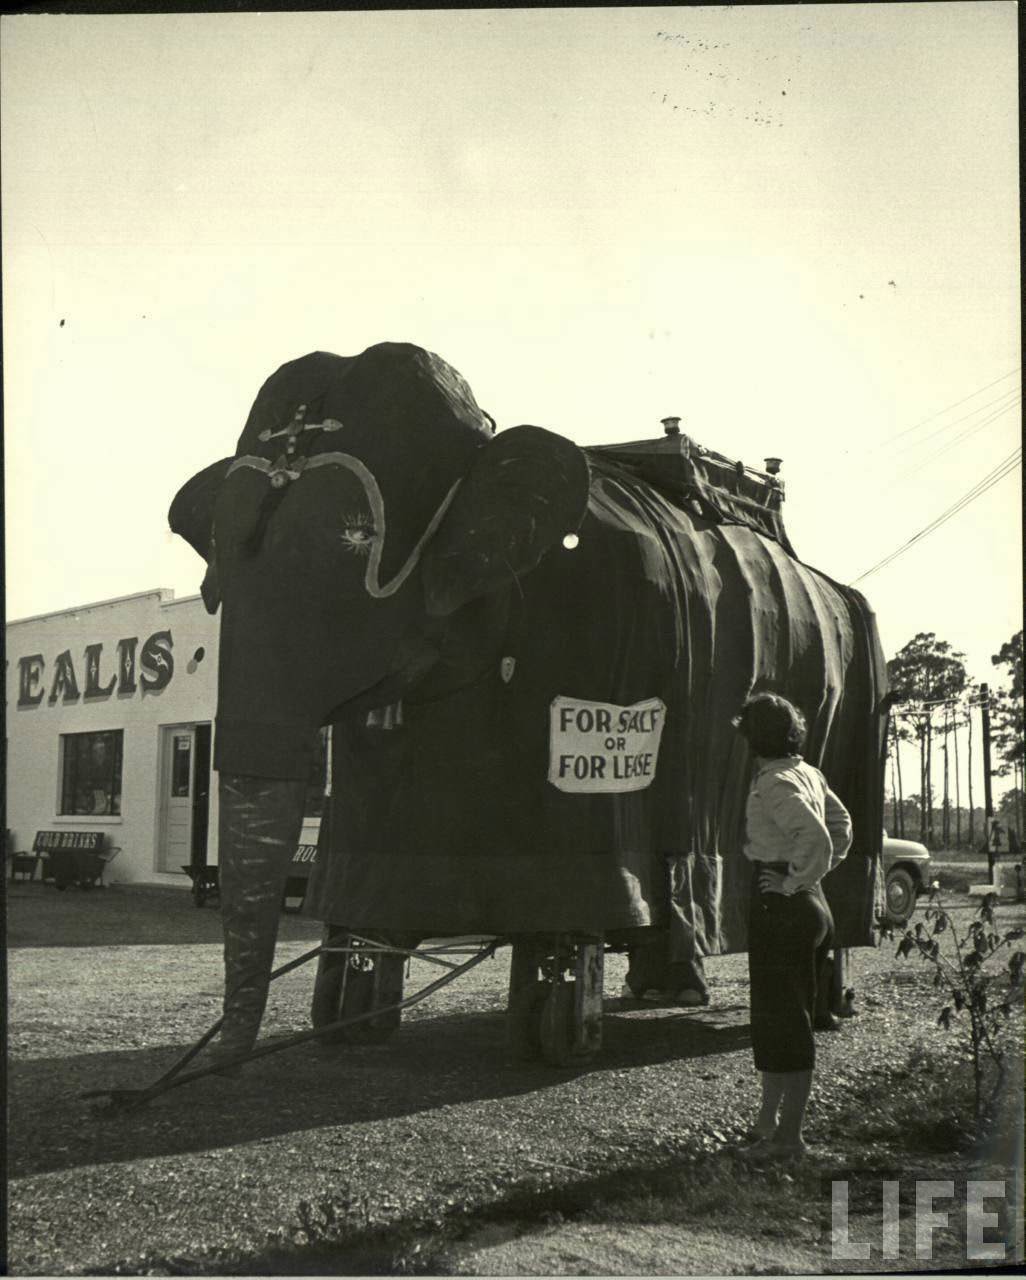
(523, 1021)
(556, 1028)
(341, 991)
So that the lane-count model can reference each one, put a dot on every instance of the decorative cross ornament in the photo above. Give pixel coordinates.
(297, 426)
(287, 467)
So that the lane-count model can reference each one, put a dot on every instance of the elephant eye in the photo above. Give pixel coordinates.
(358, 533)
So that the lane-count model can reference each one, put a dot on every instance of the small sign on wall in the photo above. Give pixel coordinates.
(303, 861)
(602, 747)
(181, 765)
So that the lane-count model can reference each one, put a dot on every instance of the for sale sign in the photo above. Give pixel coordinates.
(602, 747)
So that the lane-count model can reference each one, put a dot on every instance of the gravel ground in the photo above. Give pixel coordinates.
(313, 1143)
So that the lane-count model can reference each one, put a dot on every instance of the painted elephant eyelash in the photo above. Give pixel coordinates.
(358, 534)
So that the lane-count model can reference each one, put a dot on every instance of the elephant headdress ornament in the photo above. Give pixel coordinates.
(373, 541)
(368, 536)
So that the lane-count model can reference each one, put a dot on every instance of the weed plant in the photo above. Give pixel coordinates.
(979, 975)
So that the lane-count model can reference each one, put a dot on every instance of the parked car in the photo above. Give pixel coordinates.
(906, 866)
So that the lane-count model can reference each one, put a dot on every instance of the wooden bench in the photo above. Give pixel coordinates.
(206, 879)
(21, 864)
(74, 857)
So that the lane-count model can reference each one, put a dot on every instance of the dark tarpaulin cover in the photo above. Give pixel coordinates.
(446, 823)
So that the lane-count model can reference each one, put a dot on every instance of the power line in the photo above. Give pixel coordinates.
(940, 412)
(918, 708)
(1009, 397)
(956, 440)
(999, 472)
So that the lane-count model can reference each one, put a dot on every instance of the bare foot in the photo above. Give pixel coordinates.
(754, 1137)
(773, 1150)
(760, 1132)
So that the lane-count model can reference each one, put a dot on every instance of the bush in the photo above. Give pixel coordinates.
(977, 995)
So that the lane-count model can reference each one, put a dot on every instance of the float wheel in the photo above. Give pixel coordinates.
(557, 1025)
(523, 1020)
(347, 985)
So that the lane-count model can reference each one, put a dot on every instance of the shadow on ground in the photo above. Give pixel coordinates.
(684, 1189)
(431, 1062)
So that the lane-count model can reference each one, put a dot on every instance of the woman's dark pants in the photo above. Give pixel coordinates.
(788, 939)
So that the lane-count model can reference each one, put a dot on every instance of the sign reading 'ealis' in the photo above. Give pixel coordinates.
(156, 667)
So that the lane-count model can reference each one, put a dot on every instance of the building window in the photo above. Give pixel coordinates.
(318, 776)
(181, 765)
(91, 773)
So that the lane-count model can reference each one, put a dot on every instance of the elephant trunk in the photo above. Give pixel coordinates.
(260, 820)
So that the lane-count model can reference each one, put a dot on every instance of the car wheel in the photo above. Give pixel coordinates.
(901, 895)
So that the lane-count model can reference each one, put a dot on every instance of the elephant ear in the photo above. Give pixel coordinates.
(192, 517)
(526, 490)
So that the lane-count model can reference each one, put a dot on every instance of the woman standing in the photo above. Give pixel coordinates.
(796, 831)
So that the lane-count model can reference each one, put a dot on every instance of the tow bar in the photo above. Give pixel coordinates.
(115, 1101)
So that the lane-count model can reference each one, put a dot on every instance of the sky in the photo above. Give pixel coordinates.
(795, 227)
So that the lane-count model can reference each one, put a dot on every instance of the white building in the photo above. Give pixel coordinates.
(110, 710)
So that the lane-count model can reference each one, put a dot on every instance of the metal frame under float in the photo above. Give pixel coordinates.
(358, 998)
(554, 1010)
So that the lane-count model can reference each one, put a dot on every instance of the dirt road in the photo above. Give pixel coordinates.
(313, 1144)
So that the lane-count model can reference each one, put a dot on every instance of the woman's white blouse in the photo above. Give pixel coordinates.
(792, 816)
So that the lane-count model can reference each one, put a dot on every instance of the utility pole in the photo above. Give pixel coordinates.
(899, 830)
(958, 787)
(946, 810)
(928, 787)
(988, 802)
(969, 777)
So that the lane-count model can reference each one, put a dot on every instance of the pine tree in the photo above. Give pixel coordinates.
(923, 676)
(1006, 706)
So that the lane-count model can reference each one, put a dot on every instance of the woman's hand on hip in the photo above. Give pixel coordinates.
(772, 882)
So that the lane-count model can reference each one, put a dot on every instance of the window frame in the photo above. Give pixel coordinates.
(71, 747)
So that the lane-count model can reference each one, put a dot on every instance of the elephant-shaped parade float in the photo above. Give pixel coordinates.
(530, 654)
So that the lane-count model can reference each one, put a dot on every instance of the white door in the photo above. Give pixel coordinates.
(178, 752)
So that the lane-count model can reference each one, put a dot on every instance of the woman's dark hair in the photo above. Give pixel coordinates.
(771, 726)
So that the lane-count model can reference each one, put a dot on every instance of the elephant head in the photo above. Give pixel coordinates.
(366, 526)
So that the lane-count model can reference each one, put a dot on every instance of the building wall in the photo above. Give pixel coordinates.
(141, 664)
(174, 674)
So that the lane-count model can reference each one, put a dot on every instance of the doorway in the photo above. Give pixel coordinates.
(184, 807)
